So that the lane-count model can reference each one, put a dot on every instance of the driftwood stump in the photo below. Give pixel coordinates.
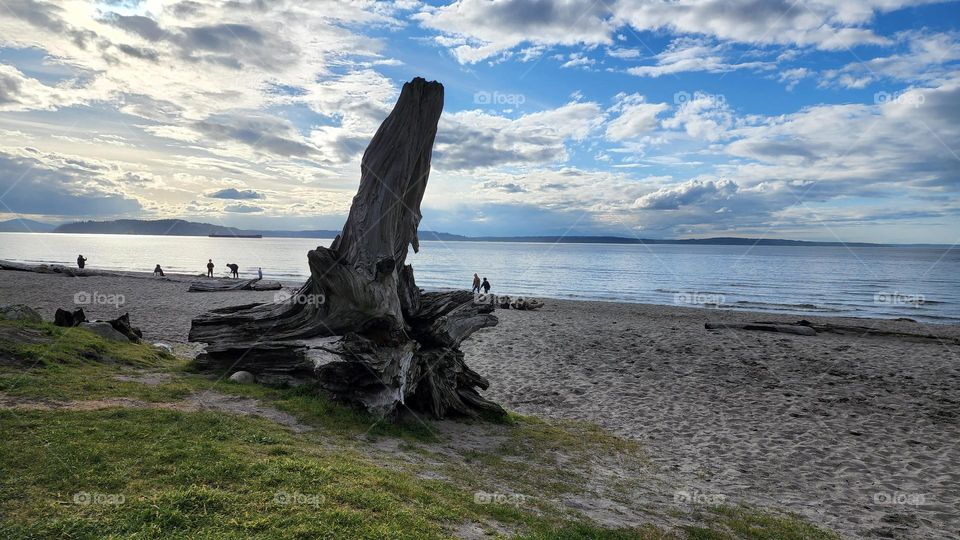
(360, 326)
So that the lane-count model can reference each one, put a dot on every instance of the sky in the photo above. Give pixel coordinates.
(811, 120)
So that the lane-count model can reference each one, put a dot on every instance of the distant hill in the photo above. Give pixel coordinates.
(171, 227)
(317, 233)
(179, 227)
(718, 241)
(25, 225)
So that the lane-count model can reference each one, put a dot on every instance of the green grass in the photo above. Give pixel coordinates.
(218, 475)
(213, 475)
(743, 522)
(71, 363)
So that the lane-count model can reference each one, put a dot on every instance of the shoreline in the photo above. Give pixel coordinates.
(825, 426)
(610, 240)
(290, 283)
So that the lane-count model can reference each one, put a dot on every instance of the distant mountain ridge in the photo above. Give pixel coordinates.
(179, 227)
(25, 225)
(171, 227)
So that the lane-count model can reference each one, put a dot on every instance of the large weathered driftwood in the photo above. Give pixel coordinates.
(360, 326)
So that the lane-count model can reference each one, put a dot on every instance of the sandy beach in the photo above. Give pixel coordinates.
(857, 433)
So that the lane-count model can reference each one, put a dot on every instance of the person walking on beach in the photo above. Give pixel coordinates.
(209, 267)
(234, 270)
(476, 284)
(81, 261)
(158, 271)
(486, 286)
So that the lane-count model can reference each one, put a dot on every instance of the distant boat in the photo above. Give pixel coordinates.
(236, 236)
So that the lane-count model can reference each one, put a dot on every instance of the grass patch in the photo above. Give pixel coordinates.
(741, 522)
(195, 475)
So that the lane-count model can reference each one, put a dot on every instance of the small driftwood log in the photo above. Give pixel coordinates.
(525, 304)
(122, 324)
(360, 326)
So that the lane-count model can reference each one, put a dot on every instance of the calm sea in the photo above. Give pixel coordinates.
(915, 282)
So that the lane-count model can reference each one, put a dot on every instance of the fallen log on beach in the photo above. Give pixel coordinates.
(70, 271)
(764, 327)
(360, 327)
(225, 285)
(858, 330)
(807, 328)
(53, 269)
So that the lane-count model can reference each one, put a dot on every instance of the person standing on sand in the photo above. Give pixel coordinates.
(158, 271)
(259, 273)
(81, 261)
(476, 284)
(234, 270)
(209, 267)
(486, 286)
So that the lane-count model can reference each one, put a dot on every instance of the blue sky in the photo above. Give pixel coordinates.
(807, 120)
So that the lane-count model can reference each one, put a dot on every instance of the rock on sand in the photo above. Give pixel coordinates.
(19, 312)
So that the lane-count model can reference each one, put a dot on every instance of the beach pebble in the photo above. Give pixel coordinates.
(104, 330)
(20, 312)
(242, 377)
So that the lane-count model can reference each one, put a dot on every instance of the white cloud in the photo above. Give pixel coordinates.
(580, 60)
(702, 116)
(693, 54)
(216, 57)
(929, 57)
(686, 193)
(474, 139)
(19, 92)
(793, 76)
(623, 54)
(635, 117)
(902, 146)
(822, 24)
(484, 29)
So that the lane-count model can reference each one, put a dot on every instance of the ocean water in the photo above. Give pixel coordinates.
(916, 282)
